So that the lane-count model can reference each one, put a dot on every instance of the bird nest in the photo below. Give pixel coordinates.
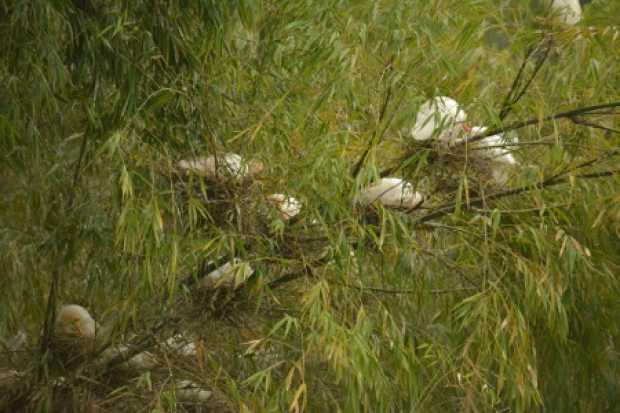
(451, 166)
(220, 203)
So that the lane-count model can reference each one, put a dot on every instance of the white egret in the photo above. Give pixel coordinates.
(391, 192)
(568, 11)
(231, 274)
(492, 149)
(188, 391)
(287, 206)
(74, 322)
(228, 165)
(140, 361)
(181, 345)
(441, 118)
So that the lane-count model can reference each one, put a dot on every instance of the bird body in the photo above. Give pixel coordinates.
(494, 143)
(490, 148)
(74, 321)
(569, 11)
(140, 361)
(181, 345)
(228, 164)
(188, 391)
(441, 118)
(391, 192)
(287, 206)
(231, 274)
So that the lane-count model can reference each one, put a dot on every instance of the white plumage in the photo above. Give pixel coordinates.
(502, 159)
(140, 361)
(181, 345)
(74, 321)
(569, 11)
(231, 274)
(495, 150)
(441, 118)
(287, 206)
(188, 391)
(228, 164)
(391, 192)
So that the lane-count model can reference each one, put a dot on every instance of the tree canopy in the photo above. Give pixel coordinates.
(483, 297)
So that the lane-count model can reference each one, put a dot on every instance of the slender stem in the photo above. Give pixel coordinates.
(514, 94)
(583, 111)
(446, 209)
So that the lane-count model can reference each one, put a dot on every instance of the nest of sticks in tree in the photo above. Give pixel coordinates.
(221, 203)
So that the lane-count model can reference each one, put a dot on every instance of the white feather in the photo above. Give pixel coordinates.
(440, 117)
(140, 361)
(287, 206)
(503, 159)
(181, 345)
(391, 192)
(188, 391)
(75, 321)
(495, 150)
(231, 274)
(569, 11)
(229, 164)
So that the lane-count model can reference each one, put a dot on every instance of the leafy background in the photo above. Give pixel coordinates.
(512, 305)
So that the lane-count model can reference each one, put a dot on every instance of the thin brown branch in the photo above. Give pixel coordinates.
(579, 121)
(449, 208)
(517, 91)
(374, 140)
(404, 291)
(583, 111)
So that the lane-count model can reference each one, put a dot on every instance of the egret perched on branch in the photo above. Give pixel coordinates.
(226, 165)
(181, 345)
(74, 322)
(569, 11)
(141, 361)
(391, 192)
(188, 391)
(494, 146)
(232, 274)
(441, 118)
(493, 149)
(287, 206)
(74, 332)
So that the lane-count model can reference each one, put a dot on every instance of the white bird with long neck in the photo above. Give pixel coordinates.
(441, 118)
(391, 192)
(226, 165)
(568, 11)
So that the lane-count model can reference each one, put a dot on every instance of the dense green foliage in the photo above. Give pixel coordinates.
(512, 304)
